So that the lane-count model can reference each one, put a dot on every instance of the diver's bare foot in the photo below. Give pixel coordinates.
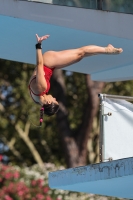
(112, 50)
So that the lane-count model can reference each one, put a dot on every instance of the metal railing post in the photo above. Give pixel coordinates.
(101, 135)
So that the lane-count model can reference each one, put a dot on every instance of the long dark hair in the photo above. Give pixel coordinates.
(48, 109)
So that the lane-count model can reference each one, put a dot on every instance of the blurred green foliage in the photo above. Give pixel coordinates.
(20, 109)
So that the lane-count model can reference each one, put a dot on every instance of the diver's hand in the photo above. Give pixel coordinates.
(40, 39)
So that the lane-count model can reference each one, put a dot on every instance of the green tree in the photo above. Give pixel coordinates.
(78, 105)
(71, 136)
(27, 143)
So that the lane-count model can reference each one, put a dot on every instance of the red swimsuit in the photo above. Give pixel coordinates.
(48, 73)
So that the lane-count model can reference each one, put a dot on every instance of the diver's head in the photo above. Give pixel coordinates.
(49, 106)
(51, 109)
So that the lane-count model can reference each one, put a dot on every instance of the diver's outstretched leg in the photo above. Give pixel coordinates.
(60, 59)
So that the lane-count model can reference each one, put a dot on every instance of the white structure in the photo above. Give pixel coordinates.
(116, 127)
(69, 27)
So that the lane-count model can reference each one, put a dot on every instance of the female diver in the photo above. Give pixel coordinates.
(39, 83)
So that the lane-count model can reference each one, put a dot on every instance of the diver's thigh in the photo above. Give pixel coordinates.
(61, 58)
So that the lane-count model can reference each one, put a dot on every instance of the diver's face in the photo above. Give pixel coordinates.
(53, 100)
(48, 99)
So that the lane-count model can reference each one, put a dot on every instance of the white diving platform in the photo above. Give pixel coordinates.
(114, 178)
(69, 27)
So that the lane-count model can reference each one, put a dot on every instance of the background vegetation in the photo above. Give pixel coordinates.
(71, 137)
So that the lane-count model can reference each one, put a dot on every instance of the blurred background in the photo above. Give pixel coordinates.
(68, 139)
